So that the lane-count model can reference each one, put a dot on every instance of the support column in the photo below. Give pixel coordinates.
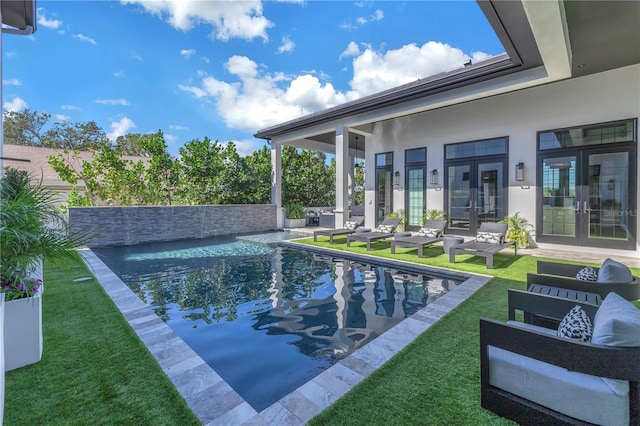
(342, 176)
(276, 183)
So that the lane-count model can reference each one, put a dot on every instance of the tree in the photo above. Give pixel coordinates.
(203, 163)
(247, 180)
(31, 128)
(306, 178)
(25, 127)
(132, 144)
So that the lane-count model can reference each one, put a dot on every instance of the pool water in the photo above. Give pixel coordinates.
(268, 319)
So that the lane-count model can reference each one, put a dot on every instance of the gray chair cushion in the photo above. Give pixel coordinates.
(612, 272)
(617, 323)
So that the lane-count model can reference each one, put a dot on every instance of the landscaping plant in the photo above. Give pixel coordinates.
(518, 231)
(31, 229)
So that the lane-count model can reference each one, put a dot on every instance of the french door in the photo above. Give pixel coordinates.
(476, 192)
(586, 197)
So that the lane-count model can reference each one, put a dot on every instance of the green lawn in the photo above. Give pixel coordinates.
(95, 370)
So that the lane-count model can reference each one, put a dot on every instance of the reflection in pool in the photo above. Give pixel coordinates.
(268, 319)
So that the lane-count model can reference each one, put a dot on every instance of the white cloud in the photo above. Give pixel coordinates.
(119, 74)
(258, 100)
(228, 19)
(378, 15)
(351, 50)
(119, 101)
(187, 53)
(120, 128)
(12, 82)
(253, 99)
(169, 138)
(85, 38)
(47, 23)
(134, 55)
(61, 117)
(287, 45)
(71, 108)
(178, 127)
(374, 71)
(195, 91)
(247, 146)
(16, 104)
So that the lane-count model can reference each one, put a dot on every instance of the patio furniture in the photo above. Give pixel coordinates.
(451, 241)
(350, 226)
(430, 233)
(611, 276)
(385, 230)
(533, 376)
(489, 240)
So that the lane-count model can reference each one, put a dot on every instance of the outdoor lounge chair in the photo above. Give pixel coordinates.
(350, 227)
(590, 375)
(489, 240)
(430, 233)
(383, 231)
(611, 276)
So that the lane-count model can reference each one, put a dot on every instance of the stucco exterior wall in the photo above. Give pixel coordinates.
(112, 226)
(608, 96)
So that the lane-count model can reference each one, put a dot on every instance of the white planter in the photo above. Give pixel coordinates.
(23, 331)
(294, 223)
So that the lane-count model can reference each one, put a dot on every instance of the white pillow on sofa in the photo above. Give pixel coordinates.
(612, 272)
(617, 323)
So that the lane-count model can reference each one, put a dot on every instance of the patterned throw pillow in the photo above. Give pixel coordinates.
(587, 274)
(489, 237)
(350, 225)
(429, 232)
(385, 229)
(576, 325)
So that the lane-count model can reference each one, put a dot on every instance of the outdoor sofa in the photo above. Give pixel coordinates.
(489, 240)
(611, 276)
(532, 376)
(350, 226)
(430, 233)
(385, 230)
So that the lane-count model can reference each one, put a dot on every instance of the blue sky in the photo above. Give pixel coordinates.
(225, 69)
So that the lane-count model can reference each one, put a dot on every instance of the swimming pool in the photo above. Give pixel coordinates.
(266, 318)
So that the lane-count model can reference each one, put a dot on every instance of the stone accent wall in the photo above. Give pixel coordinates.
(114, 226)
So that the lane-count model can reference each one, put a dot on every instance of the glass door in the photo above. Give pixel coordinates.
(476, 193)
(384, 185)
(587, 199)
(415, 197)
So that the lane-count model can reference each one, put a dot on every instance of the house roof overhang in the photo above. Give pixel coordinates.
(19, 16)
(544, 42)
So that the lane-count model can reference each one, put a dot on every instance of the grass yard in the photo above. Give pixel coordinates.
(95, 370)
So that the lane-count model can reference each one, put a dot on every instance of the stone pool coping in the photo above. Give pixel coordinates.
(214, 402)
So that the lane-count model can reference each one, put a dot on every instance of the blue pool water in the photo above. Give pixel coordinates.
(268, 319)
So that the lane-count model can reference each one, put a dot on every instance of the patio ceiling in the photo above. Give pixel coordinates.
(571, 36)
(19, 15)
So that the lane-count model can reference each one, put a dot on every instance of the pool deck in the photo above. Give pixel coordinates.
(215, 403)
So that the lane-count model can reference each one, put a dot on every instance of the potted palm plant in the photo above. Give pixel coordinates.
(31, 229)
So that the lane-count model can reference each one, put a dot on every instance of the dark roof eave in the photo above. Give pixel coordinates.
(482, 71)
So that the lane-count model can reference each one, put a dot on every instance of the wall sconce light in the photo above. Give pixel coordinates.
(520, 171)
(434, 176)
(396, 178)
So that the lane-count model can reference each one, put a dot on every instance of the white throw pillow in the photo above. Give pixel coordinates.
(386, 229)
(429, 232)
(587, 274)
(612, 272)
(576, 325)
(490, 237)
(350, 225)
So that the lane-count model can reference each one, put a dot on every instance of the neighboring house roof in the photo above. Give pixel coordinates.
(544, 41)
(35, 161)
